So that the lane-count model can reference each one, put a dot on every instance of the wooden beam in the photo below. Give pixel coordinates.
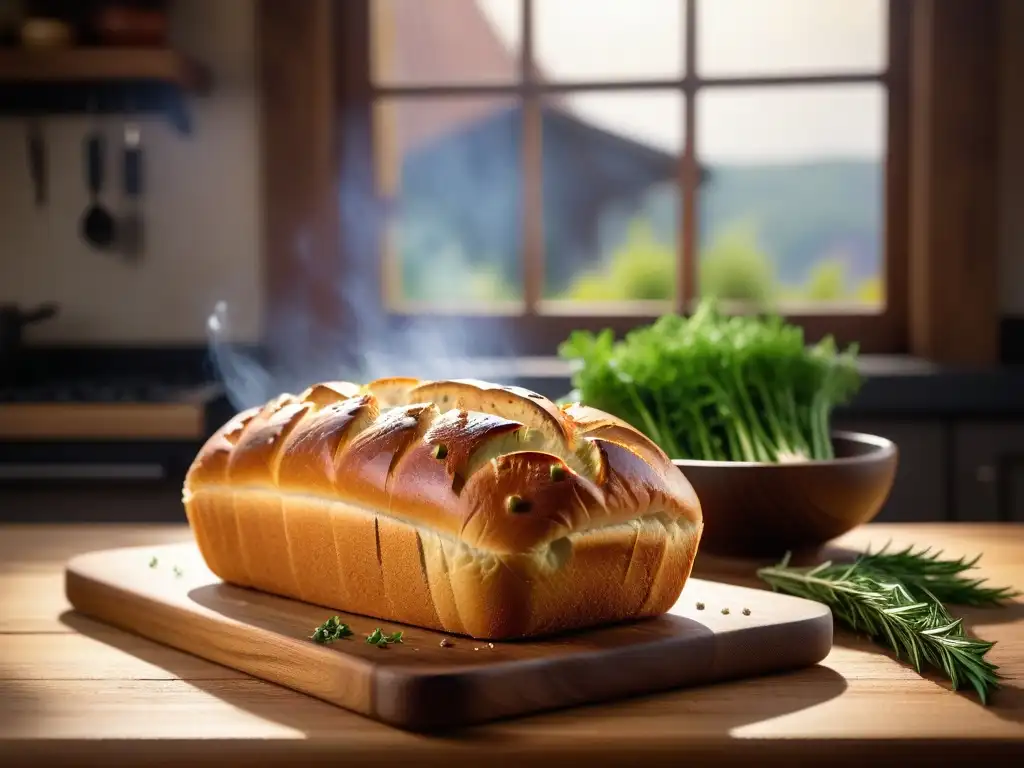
(953, 181)
(297, 79)
(532, 193)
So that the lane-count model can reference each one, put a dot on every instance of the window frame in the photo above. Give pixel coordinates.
(317, 131)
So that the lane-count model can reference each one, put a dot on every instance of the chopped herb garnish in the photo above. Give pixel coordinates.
(177, 571)
(517, 504)
(700, 606)
(331, 630)
(557, 473)
(153, 561)
(382, 639)
(746, 611)
(725, 611)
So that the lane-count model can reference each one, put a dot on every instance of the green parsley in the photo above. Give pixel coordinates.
(331, 630)
(153, 561)
(382, 639)
(517, 504)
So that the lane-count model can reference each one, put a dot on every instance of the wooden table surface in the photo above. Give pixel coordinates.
(75, 692)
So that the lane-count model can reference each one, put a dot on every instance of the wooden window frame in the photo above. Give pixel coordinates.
(317, 98)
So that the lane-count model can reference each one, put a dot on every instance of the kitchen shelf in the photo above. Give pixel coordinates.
(101, 80)
(78, 65)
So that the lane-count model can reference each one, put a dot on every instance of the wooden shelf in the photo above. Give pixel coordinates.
(82, 65)
(101, 421)
(104, 80)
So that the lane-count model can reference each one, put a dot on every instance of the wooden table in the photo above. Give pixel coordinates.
(75, 692)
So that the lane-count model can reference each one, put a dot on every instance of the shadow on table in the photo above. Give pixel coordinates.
(723, 706)
(989, 616)
(1006, 703)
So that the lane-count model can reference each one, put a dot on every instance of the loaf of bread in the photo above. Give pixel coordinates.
(460, 506)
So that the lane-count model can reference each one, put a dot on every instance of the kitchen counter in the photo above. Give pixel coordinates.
(75, 692)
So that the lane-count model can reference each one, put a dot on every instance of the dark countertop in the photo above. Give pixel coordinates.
(894, 385)
(907, 387)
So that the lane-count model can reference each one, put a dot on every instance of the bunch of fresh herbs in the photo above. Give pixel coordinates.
(717, 387)
(899, 599)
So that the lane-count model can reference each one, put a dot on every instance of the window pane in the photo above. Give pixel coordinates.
(793, 209)
(785, 37)
(451, 169)
(611, 199)
(416, 42)
(608, 39)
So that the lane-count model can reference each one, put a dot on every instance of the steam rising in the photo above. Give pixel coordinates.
(370, 346)
(427, 349)
(247, 383)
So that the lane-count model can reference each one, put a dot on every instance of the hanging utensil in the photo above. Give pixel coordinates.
(98, 226)
(130, 230)
(13, 320)
(36, 145)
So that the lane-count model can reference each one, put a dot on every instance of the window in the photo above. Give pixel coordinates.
(588, 163)
(903, 221)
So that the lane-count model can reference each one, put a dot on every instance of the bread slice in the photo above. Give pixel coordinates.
(460, 506)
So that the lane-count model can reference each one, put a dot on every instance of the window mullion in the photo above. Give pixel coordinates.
(532, 178)
(689, 171)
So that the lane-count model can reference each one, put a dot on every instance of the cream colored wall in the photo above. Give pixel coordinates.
(201, 209)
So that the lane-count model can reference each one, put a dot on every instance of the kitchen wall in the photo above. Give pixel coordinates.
(201, 209)
(202, 205)
(1011, 236)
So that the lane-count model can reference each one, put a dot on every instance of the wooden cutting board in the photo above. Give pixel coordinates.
(424, 685)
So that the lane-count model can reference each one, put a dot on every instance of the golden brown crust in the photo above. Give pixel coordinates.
(458, 505)
(590, 422)
(531, 409)
(329, 392)
(391, 391)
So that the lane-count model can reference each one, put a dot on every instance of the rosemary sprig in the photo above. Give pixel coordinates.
(927, 575)
(884, 608)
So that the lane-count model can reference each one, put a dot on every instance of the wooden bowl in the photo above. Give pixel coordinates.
(760, 510)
